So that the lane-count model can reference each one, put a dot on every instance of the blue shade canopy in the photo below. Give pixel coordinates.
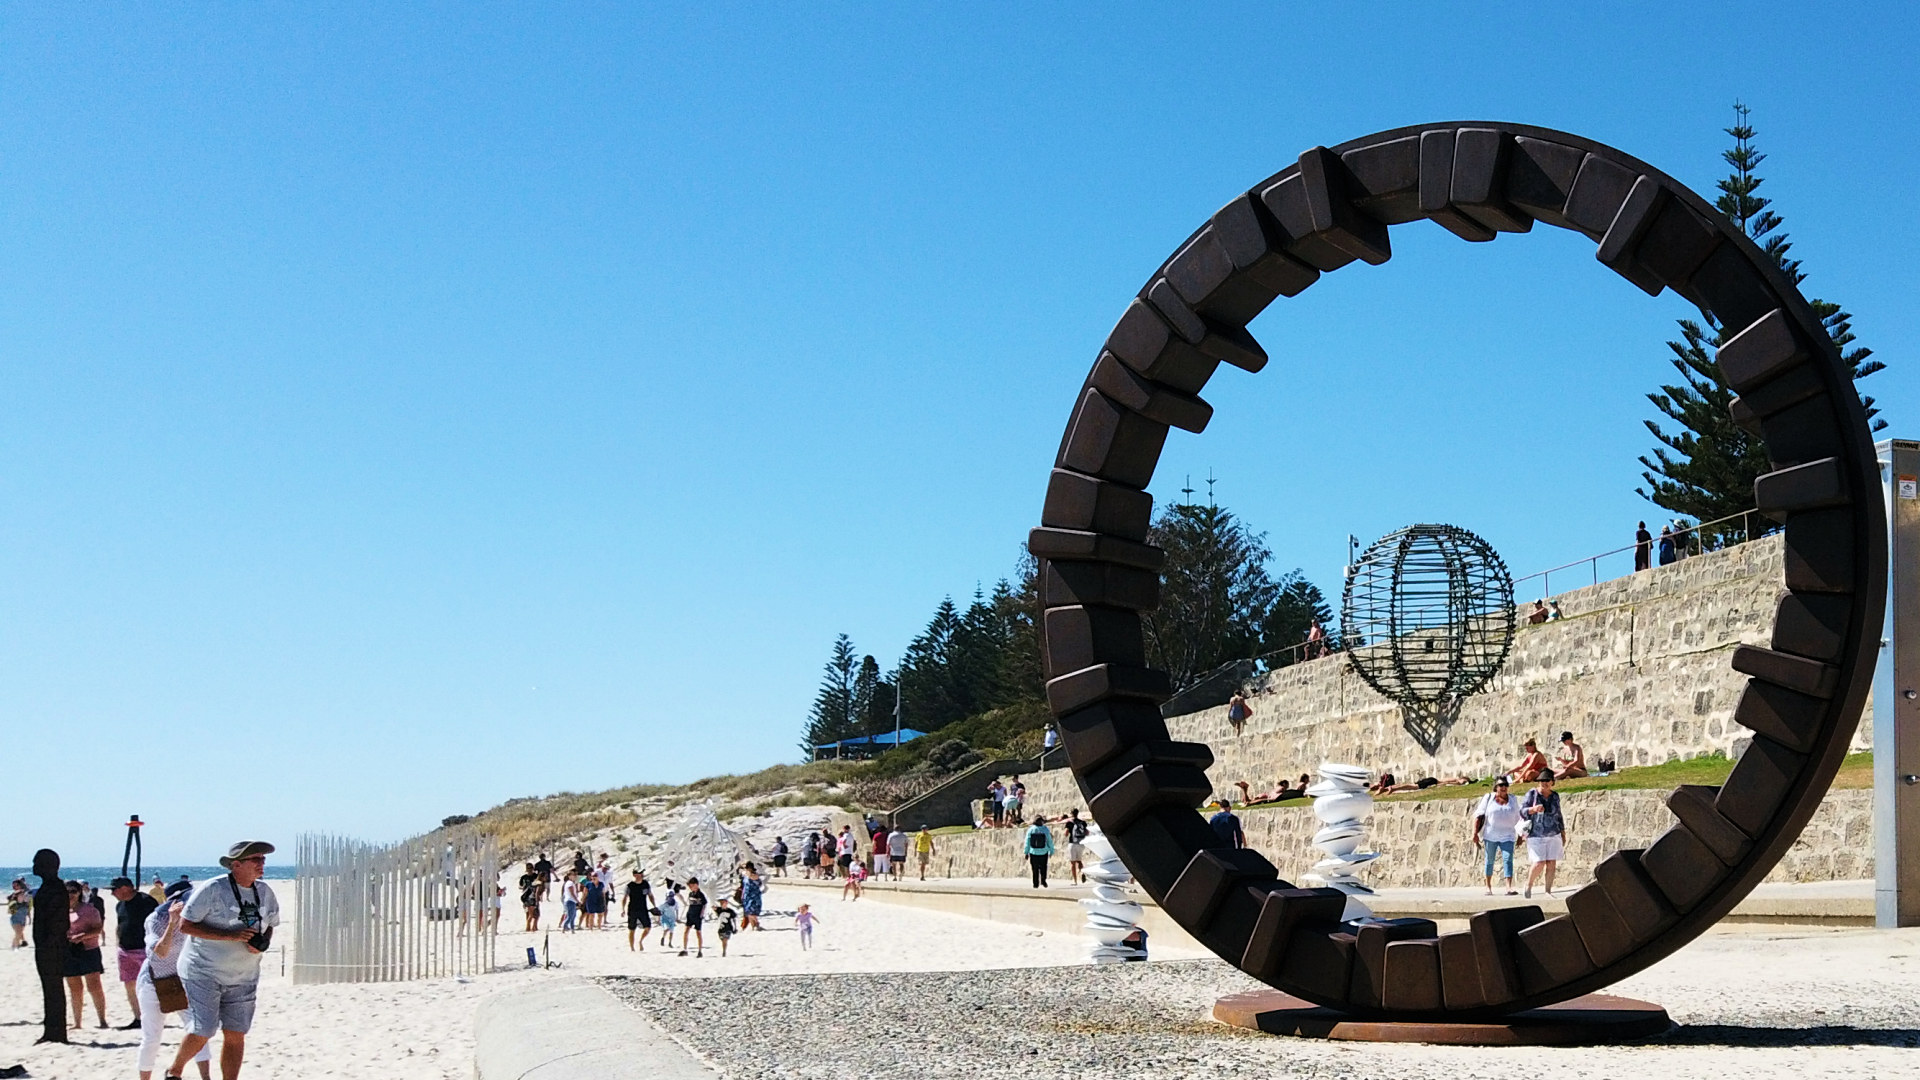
(887, 739)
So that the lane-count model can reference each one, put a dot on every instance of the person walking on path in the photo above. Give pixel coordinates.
(83, 968)
(805, 919)
(229, 925)
(855, 882)
(638, 902)
(1038, 847)
(569, 903)
(130, 935)
(780, 854)
(1494, 822)
(752, 889)
(848, 848)
(996, 803)
(50, 924)
(897, 852)
(1546, 830)
(829, 854)
(882, 854)
(1666, 546)
(1076, 830)
(1642, 548)
(164, 941)
(923, 849)
(810, 855)
(1226, 826)
(695, 916)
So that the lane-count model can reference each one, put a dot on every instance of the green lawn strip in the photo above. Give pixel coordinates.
(1709, 769)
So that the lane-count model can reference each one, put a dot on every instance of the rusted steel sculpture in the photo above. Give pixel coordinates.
(1804, 693)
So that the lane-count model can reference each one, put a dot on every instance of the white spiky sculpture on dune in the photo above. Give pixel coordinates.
(1341, 802)
(1111, 916)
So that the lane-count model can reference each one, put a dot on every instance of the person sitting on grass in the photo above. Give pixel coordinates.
(1570, 761)
(1531, 762)
(1280, 791)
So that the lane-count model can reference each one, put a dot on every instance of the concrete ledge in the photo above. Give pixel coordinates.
(569, 1028)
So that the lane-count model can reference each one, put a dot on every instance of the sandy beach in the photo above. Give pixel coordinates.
(1766, 999)
(423, 1030)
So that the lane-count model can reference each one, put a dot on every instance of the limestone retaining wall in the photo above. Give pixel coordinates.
(1427, 844)
(1638, 669)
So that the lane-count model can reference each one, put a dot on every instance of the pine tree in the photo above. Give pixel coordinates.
(1705, 468)
(832, 717)
(1294, 610)
(865, 685)
(1215, 592)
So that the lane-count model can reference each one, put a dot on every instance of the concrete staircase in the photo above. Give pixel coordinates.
(952, 802)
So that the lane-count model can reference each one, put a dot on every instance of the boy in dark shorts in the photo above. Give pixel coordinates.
(725, 915)
(638, 899)
(694, 913)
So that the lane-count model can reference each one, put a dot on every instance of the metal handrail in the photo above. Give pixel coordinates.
(1695, 546)
(1330, 645)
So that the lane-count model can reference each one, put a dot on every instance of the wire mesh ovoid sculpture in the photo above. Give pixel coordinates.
(1803, 693)
(1428, 615)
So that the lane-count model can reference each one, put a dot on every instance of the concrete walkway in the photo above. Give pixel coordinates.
(571, 1029)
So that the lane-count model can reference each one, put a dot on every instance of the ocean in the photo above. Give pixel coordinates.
(100, 875)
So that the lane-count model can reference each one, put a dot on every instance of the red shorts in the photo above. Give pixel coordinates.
(130, 961)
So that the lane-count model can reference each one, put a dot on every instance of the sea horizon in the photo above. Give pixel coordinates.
(100, 875)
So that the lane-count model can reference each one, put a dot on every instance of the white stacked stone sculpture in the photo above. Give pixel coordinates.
(1111, 916)
(1341, 802)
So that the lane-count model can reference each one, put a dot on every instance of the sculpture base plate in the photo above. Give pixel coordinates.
(1584, 1021)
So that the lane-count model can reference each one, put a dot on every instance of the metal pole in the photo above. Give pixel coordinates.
(1896, 698)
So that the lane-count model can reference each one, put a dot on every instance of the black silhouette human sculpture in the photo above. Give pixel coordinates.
(50, 941)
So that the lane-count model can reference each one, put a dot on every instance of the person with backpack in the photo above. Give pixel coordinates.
(1038, 847)
(1495, 819)
(1076, 830)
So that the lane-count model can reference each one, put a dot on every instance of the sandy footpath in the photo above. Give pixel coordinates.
(423, 1030)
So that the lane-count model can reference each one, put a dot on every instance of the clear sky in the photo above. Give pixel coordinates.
(404, 408)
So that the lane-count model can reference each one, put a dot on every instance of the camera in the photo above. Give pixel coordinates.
(261, 940)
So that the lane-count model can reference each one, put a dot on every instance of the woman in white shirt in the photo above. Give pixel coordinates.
(164, 942)
(1494, 822)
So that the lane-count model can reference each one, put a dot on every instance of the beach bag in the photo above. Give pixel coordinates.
(171, 992)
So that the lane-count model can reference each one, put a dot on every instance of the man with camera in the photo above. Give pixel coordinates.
(229, 923)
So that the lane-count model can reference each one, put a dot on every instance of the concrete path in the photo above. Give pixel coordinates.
(571, 1029)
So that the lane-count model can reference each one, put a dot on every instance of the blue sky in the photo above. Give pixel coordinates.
(404, 407)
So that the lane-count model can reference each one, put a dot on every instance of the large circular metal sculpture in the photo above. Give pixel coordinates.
(1427, 615)
(1803, 696)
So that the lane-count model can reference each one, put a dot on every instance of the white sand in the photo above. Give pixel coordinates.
(401, 1031)
(424, 1029)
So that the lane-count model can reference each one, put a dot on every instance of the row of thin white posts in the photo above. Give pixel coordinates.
(415, 910)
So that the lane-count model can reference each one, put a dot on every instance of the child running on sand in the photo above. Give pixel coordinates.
(724, 915)
(805, 920)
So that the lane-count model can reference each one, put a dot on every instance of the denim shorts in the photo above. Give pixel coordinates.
(214, 1007)
(1499, 847)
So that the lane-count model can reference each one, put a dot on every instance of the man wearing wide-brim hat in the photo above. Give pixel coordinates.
(229, 923)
